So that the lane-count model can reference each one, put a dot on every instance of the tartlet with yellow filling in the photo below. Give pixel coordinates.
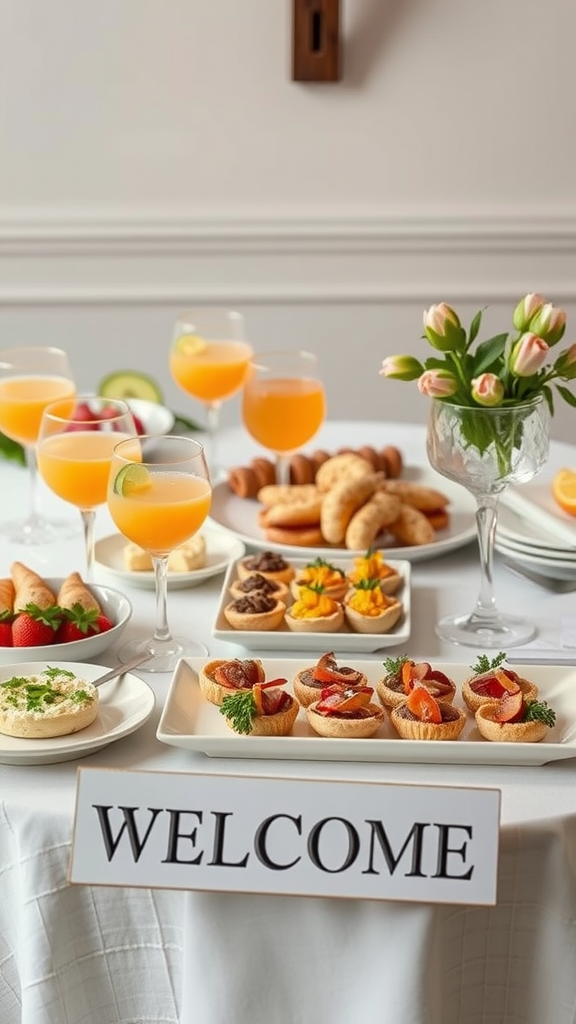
(313, 611)
(371, 566)
(369, 610)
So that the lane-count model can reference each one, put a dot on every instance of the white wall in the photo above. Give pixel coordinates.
(154, 154)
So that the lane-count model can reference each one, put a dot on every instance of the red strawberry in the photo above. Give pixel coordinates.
(5, 633)
(79, 623)
(35, 627)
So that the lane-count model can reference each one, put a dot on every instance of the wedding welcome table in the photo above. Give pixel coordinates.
(105, 955)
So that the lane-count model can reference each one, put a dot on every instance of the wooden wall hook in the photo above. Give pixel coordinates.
(316, 41)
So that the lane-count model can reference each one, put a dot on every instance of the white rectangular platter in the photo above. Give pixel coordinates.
(191, 722)
(282, 639)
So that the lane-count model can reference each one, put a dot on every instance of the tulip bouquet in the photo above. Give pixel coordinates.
(509, 369)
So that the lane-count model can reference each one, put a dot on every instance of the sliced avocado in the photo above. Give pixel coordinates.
(130, 384)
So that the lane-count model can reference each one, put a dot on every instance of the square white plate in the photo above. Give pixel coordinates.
(283, 639)
(191, 722)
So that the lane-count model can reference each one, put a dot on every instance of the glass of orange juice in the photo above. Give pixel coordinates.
(159, 495)
(283, 403)
(209, 358)
(30, 378)
(74, 453)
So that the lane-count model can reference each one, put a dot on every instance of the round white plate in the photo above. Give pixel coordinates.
(241, 516)
(125, 704)
(222, 548)
(557, 568)
(524, 548)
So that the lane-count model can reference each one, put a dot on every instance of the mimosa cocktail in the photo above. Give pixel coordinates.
(30, 379)
(75, 450)
(159, 495)
(283, 403)
(208, 359)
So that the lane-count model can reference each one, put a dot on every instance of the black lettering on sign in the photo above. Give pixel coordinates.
(129, 825)
(415, 837)
(260, 841)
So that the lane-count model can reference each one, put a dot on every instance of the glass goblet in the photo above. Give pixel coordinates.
(31, 378)
(74, 453)
(485, 450)
(283, 404)
(208, 360)
(159, 495)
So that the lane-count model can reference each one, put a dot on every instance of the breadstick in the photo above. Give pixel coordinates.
(30, 588)
(74, 591)
(6, 597)
(342, 502)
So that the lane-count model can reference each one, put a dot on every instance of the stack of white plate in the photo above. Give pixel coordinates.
(533, 531)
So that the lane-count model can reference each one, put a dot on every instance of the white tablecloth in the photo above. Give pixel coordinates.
(97, 955)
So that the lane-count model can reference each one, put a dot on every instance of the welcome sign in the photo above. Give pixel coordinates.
(305, 837)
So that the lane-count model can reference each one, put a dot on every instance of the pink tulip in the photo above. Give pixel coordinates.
(565, 365)
(438, 384)
(443, 328)
(487, 389)
(528, 355)
(401, 367)
(526, 309)
(549, 323)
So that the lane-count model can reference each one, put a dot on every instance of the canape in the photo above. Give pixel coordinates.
(309, 682)
(491, 681)
(421, 717)
(264, 710)
(368, 609)
(513, 719)
(402, 674)
(372, 565)
(345, 713)
(328, 576)
(257, 583)
(221, 677)
(255, 612)
(314, 612)
(267, 563)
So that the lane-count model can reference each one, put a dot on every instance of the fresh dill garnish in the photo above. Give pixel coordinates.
(394, 665)
(53, 673)
(485, 664)
(538, 711)
(240, 710)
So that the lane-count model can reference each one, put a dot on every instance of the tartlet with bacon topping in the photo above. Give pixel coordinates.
(403, 674)
(514, 719)
(264, 710)
(372, 565)
(368, 609)
(491, 682)
(313, 611)
(309, 682)
(345, 713)
(328, 576)
(421, 717)
(221, 677)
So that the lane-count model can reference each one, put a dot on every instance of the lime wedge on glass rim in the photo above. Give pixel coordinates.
(191, 344)
(131, 479)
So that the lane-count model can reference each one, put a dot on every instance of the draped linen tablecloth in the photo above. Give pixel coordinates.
(100, 955)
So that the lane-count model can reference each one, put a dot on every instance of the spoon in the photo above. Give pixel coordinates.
(119, 670)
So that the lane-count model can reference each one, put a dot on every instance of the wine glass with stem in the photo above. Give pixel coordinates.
(159, 495)
(75, 446)
(283, 403)
(485, 450)
(31, 378)
(208, 360)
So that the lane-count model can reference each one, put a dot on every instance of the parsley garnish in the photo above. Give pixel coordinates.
(240, 708)
(485, 664)
(538, 711)
(394, 665)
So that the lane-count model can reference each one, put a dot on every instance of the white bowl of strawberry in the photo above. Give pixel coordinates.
(77, 630)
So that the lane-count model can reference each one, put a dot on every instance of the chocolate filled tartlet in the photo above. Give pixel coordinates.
(257, 583)
(267, 563)
(256, 611)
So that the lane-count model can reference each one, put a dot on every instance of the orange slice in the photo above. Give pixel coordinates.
(424, 705)
(564, 490)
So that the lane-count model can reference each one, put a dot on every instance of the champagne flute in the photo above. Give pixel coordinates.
(75, 446)
(208, 360)
(159, 495)
(283, 404)
(31, 378)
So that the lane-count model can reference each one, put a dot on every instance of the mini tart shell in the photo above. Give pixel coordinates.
(388, 584)
(319, 624)
(309, 694)
(280, 724)
(392, 698)
(280, 594)
(508, 732)
(474, 700)
(212, 690)
(255, 621)
(282, 575)
(345, 728)
(413, 729)
(382, 623)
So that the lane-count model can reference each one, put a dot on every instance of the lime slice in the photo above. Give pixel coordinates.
(191, 344)
(131, 479)
(130, 384)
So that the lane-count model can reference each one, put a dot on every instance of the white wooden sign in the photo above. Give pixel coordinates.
(291, 836)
